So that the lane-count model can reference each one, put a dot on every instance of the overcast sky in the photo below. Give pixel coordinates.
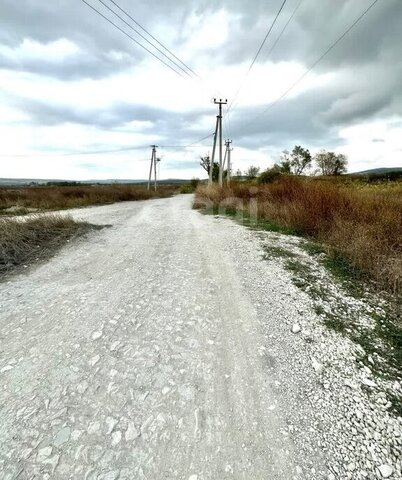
(71, 83)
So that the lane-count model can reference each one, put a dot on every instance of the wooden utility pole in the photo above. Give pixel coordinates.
(153, 166)
(218, 131)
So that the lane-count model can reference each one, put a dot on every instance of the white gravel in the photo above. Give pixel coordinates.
(162, 348)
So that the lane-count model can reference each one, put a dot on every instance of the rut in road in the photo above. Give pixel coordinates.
(139, 352)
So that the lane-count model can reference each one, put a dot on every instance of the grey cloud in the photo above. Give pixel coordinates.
(367, 62)
(164, 123)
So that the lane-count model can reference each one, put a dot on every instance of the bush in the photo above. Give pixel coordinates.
(269, 176)
(190, 187)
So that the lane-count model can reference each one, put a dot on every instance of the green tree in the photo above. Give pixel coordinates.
(252, 172)
(331, 163)
(299, 160)
(284, 165)
(206, 165)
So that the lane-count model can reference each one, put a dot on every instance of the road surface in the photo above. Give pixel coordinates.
(142, 351)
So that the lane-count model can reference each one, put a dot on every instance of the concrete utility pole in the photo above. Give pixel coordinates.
(227, 155)
(153, 166)
(211, 167)
(218, 131)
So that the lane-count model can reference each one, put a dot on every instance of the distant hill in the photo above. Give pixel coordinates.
(378, 171)
(380, 174)
(39, 181)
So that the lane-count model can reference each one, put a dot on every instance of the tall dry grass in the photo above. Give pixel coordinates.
(362, 223)
(23, 241)
(53, 198)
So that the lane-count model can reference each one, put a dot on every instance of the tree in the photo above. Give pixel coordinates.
(284, 165)
(206, 165)
(252, 172)
(294, 163)
(331, 163)
(300, 160)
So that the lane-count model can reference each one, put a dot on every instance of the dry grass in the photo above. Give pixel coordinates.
(23, 241)
(19, 200)
(361, 223)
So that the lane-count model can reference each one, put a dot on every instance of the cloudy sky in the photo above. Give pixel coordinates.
(79, 99)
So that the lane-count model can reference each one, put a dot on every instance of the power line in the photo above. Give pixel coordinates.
(144, 38)
(153, 38)
(132, 38)
(194, 75)
(319, 59)
(274, 45)
(257, 54)
(99, 152)
(73, 154)
(284, 28)
(191, 145)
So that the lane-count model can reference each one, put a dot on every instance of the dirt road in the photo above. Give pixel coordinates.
(143, 351)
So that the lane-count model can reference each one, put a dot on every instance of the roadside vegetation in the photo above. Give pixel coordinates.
(24, 241)
(347, 259)
(190, 187)
(22, 200)
(357, 223)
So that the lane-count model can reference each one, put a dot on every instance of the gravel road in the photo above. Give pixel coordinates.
(160, 347)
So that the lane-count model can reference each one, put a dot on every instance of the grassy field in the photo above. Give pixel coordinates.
(24, 241)
(359, 224)
(21, 200)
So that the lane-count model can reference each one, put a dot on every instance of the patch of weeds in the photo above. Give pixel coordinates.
(384, 344)
(273, 251)
(244, 218)
(319, 309)
(335, 323)
(349, 275)
(390, 333)
(269, 226)
(333, 320)
(304, 278)
(396, 403)
(298, 268)
(312, 248)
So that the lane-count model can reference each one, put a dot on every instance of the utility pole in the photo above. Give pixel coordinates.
(153, 166)
(211, 167)
(218, 131)
(227, 155)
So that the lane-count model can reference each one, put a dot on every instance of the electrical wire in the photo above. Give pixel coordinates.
(284, 28)
(257, 55)
(191, 145)
(313, 65)
(99, 152)
(73, 154)
(277, 40)
(144, 38)
(153, 38)
(132, 38)
(193, 75)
